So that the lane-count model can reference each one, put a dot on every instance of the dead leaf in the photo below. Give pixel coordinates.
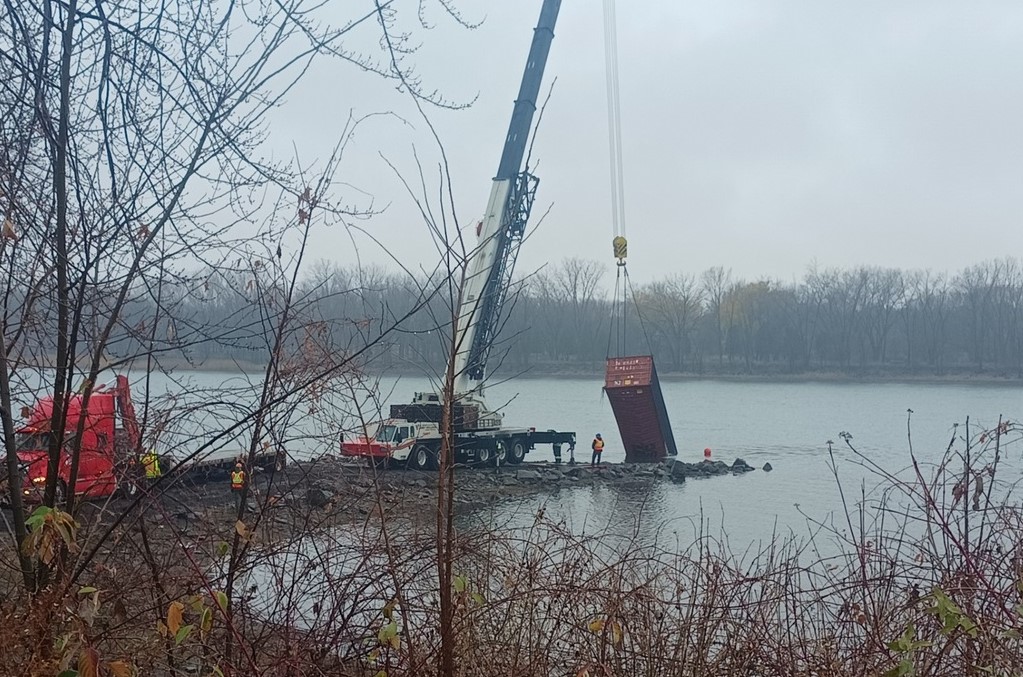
(8, 231)
(617, 635)
(88, 663)
(120, 613)
(174, 613)
(120, 669)
(596, 625)
(241, 530)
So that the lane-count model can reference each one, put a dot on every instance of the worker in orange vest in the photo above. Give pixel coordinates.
(598, 447)
(238, 481)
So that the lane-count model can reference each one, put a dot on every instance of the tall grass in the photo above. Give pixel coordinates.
(920, 575)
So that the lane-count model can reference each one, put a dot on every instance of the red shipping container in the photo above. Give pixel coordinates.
(635, 394)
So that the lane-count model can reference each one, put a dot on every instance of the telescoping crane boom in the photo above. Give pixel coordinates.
(504, 223)
(412, 433)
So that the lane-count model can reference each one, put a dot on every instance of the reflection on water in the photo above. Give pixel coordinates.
(786, 424)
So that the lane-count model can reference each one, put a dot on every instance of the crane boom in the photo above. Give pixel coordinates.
(504, 223)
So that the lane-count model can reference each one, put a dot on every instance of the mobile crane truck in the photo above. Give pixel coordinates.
(412, 433)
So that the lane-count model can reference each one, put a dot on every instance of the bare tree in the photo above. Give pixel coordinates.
(672, 307)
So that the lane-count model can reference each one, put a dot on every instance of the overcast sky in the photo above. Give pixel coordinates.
(759, 135)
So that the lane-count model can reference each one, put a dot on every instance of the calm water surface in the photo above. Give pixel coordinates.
(786, 424)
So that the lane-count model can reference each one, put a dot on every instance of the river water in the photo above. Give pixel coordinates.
(785, 424)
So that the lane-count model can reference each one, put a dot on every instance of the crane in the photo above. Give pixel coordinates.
(504, 222)
(491, 263)
(412, 433)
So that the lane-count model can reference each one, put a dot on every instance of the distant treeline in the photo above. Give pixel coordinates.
(863, 321)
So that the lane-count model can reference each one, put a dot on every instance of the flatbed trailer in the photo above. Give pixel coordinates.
(417, 444)
(220, 461)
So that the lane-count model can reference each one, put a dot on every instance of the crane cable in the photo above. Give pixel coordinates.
(618, 326)
(614, 118)
(623, 286)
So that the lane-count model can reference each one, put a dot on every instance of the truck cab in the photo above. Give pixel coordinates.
(390, 439)
(107, 448)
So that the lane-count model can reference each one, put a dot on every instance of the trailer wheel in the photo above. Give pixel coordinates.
(517, 452)
(421, 458)
(484, 456)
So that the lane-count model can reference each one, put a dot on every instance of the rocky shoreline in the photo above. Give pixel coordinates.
(329, 483)
(333, 491)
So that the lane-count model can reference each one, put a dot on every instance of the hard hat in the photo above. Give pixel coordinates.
(598, 434)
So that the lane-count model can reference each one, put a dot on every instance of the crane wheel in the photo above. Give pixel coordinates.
(421, 458)
(485, 456)
(516, 452)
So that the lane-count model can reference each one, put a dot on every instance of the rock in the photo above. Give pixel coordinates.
(716, 468)
(508, 480)
(741, 466)
(768, 467)
(553, 476)
(659, 471)
(526, 475)
(318, 497)
(575, 471)
(187, 515)
(679, 471)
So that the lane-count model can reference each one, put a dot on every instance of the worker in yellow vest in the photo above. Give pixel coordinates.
(598, 448)
(238, 481)
(151, 462)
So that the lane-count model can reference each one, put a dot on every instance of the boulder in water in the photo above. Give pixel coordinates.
(768, 467)
(741, 466)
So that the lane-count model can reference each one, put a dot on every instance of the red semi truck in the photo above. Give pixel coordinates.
(109, 445)
(112, 458)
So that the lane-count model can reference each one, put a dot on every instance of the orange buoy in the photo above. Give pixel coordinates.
(706, 452)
